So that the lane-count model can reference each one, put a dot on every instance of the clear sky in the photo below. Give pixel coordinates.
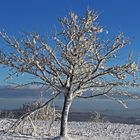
(41, 16)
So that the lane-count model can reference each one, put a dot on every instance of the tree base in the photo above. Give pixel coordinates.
(62, 138)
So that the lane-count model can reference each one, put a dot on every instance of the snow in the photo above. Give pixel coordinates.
(77, 131)
(62, 138)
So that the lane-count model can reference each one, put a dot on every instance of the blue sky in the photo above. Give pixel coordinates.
(41, 16)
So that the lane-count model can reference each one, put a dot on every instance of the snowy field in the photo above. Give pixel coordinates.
(77, 130)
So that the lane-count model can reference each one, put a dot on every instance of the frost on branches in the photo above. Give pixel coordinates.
(81, 60)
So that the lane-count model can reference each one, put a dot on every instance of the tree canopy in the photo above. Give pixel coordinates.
(80, 59)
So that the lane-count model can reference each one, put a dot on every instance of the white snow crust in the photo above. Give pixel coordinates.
(77, 131)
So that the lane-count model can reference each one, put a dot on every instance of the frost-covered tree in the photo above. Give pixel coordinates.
(80, 63)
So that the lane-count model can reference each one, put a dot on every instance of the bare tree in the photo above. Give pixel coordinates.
(82, 63)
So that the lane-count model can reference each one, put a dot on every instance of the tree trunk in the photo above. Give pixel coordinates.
(64, 118)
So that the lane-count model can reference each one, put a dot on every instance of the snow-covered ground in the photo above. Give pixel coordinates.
(77, 130)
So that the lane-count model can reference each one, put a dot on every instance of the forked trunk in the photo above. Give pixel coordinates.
(64, 118)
